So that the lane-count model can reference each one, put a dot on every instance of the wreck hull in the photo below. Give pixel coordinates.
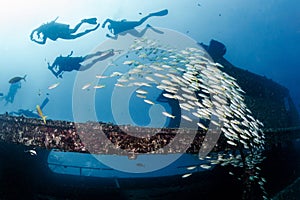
(27, 176)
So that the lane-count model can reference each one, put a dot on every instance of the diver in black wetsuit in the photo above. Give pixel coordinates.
(119, 27)
(68, 63)
(54, 30)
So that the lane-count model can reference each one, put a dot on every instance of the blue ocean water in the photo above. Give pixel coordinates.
(262, 37)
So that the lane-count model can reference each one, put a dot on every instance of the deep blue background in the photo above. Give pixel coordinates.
(262, 37)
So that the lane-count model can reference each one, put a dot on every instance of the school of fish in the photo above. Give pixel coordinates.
(205, 94)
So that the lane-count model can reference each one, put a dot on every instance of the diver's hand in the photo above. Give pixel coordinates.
(31, 35)
(112, 37)
(104, 23)
(97, 26)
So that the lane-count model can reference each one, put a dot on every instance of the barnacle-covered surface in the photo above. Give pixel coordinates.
(63, 135)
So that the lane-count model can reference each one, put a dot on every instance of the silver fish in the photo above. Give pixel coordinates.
(149, 102)
(168, 115)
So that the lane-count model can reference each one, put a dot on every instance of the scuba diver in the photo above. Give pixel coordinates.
(121, 27)
(54, 30)
(13, 89)
(15, 85)
(69, 63)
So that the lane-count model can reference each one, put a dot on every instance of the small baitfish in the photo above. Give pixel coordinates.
(168, 115)
(53, 86)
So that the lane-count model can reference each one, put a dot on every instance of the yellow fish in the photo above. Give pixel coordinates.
(40, 113)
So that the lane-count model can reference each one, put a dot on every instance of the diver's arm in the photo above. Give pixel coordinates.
(49, 66)
(40, 42)
(105, 22)
(70, 54)
(55, 64)
(52, 70)
(38, 34)
(112, 37)
(31, 35)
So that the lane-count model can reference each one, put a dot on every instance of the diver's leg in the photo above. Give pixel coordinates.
(127, 25)
(160, 13)
(12, 98)
(135, 33)
(89, 21)
(81, 34)
(89, 65)
(85, 67)
(143, 31)
(141, 21)
(155, 29)
(76, 27)
(89, 56)
(102, 56)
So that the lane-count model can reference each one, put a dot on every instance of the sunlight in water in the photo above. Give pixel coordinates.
(18, 11)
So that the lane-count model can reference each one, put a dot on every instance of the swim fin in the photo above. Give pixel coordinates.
(90, 21)
(160, 13)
